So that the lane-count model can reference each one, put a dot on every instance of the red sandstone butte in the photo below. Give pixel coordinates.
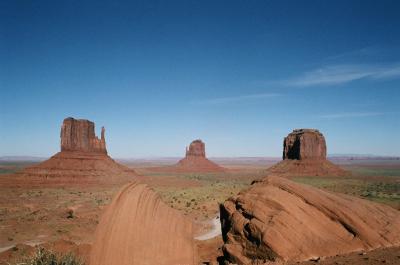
(137, 228)
(304, 154)
(196, 148)
(196, 161)
(304, 144)
(83, 159)
(279, 220)
(79, 135)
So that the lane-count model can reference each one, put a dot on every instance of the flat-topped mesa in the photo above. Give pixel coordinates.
(304, 154)
(304, 144)
(79, 135)
(196, 148)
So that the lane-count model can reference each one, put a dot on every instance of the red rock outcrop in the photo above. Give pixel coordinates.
(196, 148)
(79, 135)
(304, 154)
(83, 159)
(196, 161)
(138, 228)
(279, 220)
(304, 144)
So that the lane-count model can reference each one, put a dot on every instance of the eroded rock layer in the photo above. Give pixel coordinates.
(307, 168)
(77, 167)
(138, 228)
(277, 219)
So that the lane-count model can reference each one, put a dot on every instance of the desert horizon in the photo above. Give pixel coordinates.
(79, 182)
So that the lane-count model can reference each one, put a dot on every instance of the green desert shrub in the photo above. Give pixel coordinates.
(47, 257)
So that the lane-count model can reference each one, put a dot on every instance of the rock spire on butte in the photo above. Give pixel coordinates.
(195, 159)
(196, 148)
(83, 159)
(79, 135)
(304, 154)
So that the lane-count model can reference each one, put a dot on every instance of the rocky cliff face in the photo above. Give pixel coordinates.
(279, 220)
(304, 144)
(196, 148)
(138, 228)
(79, 135)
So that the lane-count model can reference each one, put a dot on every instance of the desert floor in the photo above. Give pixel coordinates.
(65, 218)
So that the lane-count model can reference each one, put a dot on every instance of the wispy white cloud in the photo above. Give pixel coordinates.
(340, 74)
(241, 98)
(357, 53)
(351, 115)
(388, 73)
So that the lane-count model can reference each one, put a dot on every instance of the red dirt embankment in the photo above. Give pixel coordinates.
(138, 228)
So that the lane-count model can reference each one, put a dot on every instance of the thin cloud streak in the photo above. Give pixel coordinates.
(340, 74)
(225, 100)
(351, 115)
(358, 53)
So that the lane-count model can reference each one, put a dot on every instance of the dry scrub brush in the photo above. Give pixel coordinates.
(47, 257)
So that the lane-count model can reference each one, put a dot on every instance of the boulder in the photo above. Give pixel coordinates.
(279, 220)
(138, 228)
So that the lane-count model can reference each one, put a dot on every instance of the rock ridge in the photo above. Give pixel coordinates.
(277, 219)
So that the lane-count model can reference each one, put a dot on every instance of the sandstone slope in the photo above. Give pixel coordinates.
(277, 219)
(138, 228)
(77, 167)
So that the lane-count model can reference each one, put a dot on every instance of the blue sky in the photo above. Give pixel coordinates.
(238, 74)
